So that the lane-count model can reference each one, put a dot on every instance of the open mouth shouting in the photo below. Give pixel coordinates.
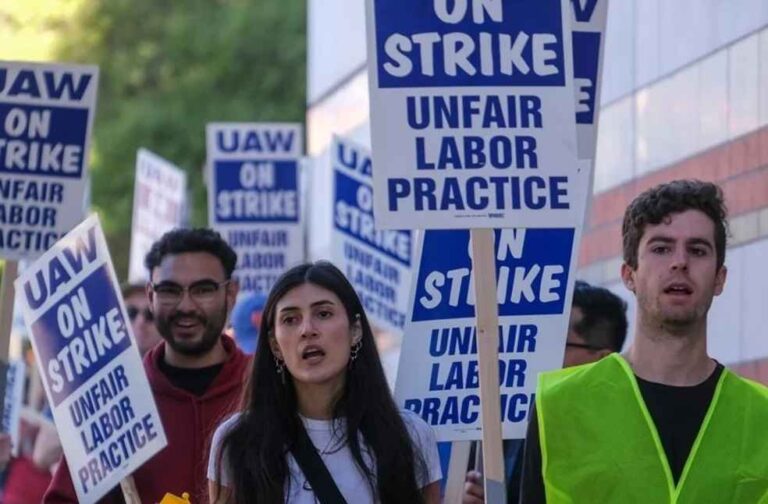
(678, 289)
(312, 354)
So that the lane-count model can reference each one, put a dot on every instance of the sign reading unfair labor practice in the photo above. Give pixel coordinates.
(472, 107)
(253, 197)
(533, 268)
(46, 115)
(438, 373)
(159, 201)
(89, 362)
(377, 262)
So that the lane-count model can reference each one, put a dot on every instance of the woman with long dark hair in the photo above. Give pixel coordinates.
(317, 382)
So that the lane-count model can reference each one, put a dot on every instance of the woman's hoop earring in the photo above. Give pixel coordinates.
(355, 351)
(280, 368)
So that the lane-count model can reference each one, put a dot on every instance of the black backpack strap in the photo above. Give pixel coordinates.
(314, 470)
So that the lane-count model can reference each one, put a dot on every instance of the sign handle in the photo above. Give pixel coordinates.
(457, 471)
(130, 493)
(6, 307)
(487, 316)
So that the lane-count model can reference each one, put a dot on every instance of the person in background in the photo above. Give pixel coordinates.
(246, 319)
(29, 473)
(5, 450)
(196, 374)
(665, 422)
(597, 327)
(319, 419)
(142, 319)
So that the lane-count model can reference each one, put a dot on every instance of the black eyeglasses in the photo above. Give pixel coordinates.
(133, 312)
(171, 293)
(585, 346)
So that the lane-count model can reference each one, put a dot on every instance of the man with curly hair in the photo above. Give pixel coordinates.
(664, 423)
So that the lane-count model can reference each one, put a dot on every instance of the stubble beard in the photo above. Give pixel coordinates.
(213, 326)
(676, 321)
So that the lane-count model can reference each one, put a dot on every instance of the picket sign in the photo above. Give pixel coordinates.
(89, 363)
(46, 117)
(378, 263)
(589, 27)
(253, 179)
(159, 205)
(472, 134)
(10, 272)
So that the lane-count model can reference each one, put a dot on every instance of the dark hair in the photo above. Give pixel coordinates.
(255, 447)
(658, 203)
(129, 289)
(181, 240)
(604, 321)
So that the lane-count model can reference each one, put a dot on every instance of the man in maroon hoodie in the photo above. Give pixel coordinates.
(196, 375)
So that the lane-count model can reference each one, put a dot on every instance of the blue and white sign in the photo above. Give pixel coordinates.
(588, 25)
(253, 197)
(46, 117)
(89, 362)
(438, 372)
(377, 262)
(159, 205)
(15, 375)
(472, 107)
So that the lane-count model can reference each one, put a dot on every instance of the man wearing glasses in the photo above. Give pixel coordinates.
(196, 374)
(597, 327)
(141, 316)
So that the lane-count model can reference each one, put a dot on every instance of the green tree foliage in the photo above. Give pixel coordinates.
(168, 67)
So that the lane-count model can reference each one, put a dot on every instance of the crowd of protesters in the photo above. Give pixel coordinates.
(290, 404)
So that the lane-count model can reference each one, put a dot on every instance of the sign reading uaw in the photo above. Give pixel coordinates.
(253, 197)
(46, 114)
(472, 113)
(89, 362)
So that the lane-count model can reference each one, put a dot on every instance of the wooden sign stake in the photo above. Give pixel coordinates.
(457, 471)
(6, 307)
(487, 315)
(130, 493)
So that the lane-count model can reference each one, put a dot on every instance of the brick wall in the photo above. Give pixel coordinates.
(754, 370)
(739, 166)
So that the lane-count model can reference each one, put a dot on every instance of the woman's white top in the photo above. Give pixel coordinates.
(337, 457)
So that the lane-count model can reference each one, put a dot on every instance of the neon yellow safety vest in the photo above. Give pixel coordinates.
(599, 444)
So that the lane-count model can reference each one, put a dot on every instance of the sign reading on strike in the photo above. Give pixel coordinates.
(377, 262)
(253, 197)
(46, 113)
(438, 372)
(159, 203)
(472, 113)
(89, 362)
